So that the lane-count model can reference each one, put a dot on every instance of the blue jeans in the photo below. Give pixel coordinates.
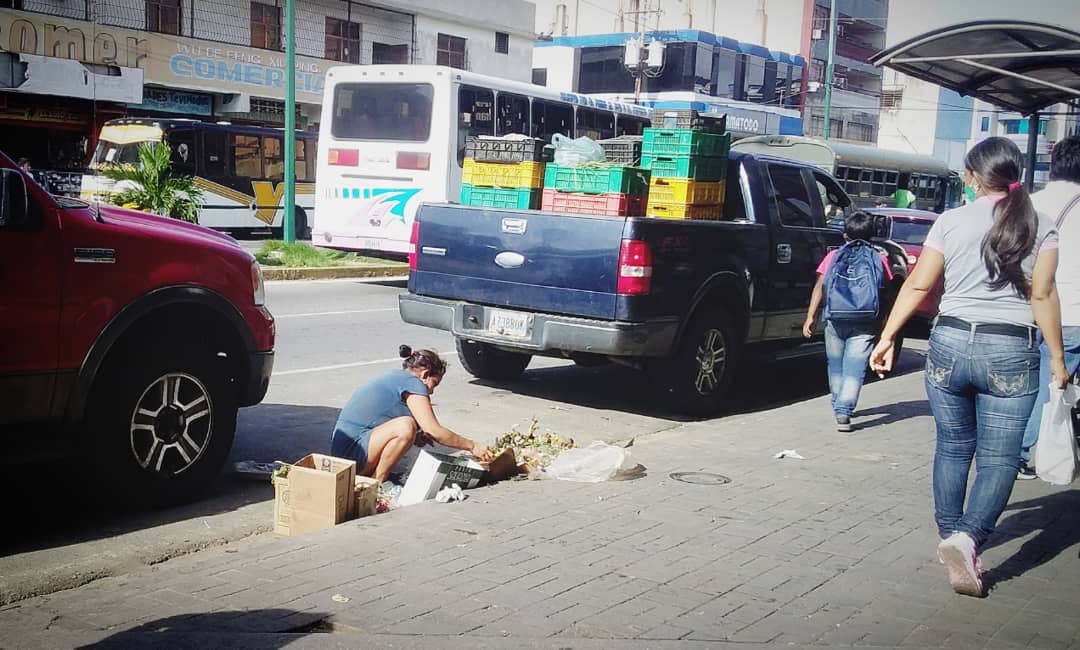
(981, 388)
(847, 346)
(1071, 337)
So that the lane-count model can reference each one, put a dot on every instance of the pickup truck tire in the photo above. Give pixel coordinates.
(695, 381)
(486, 362)
(161, 428)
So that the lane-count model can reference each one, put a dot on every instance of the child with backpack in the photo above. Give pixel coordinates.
(849, 283)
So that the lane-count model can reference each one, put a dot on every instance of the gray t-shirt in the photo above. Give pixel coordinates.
(958, 234)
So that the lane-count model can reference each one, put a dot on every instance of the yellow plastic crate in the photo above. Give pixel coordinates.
(509, 175)
(685, 190)
(661, 210)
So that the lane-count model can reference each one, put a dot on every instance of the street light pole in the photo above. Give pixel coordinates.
(289, 219)
(829, 69)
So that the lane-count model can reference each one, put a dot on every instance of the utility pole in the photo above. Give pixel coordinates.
(638, 60)
(289, 219)
(828, 68)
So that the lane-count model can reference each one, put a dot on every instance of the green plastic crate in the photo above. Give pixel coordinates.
(598, 180)
(698, 168)
(500, 197)
(685, 142)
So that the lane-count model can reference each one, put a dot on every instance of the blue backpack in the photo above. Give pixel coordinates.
(853, 283)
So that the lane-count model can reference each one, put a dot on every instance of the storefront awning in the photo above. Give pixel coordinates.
(1018, 65)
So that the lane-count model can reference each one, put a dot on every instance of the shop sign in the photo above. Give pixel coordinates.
(176, 101)
(173, 61)
(31, 114)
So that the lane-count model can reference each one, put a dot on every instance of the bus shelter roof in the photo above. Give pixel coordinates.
(1018, 65)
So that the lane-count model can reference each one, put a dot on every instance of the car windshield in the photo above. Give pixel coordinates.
(910, 232)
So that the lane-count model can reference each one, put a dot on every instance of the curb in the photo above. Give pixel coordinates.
(334, 272)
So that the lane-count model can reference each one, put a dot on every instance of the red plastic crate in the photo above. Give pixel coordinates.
(611, 204)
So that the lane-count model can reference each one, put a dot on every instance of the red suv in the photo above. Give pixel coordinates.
(128, 338)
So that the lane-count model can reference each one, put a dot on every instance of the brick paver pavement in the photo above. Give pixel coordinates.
(834, 550)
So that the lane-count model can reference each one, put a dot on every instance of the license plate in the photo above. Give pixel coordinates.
(508, 323)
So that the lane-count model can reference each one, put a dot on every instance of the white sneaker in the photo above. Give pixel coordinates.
(958, 554)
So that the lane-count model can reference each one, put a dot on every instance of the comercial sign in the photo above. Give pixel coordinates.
(742, 121)
(177, 101)
(173, 61)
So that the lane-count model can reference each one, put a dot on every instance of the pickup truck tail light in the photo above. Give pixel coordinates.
(413, 238)
(635, 268)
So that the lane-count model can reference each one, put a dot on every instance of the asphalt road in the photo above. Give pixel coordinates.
(332, 337)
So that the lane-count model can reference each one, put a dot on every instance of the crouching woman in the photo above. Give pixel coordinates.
(387, 415)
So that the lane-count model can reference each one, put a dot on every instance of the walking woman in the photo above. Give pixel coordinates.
(999, 257)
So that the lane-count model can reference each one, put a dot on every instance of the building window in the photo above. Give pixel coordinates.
(502, 43)
(162, 16)
(11, 4)
(860, 131)
(1012, 127)
(381, 53)
(342, 40)
(265, 26)
(891, 99)
(539, 76)
(451, 51)
(984, 126)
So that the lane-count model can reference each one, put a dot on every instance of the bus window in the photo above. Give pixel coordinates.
(212, 160)
(382, 111)
(866, 184)
(273, 159)
(513, 114)
(625, 125)
(890, 183)
(475, 115)
(182, 154)
(879, 184)
(301, 159)
(549, 118)
(597, 125)
(247, 162)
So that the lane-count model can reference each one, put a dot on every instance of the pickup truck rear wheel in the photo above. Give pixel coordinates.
(162, 427)
(696, 380)
(487, 362)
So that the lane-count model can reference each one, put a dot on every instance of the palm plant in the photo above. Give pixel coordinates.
(150, 185)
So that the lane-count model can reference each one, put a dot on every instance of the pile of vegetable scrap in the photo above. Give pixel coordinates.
(532, 451)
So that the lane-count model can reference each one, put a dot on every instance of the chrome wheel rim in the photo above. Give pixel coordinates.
(172, 424)
(711, 357)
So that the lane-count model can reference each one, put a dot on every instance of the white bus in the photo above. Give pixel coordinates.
(869, 175)
(393, 136)
(240, 169)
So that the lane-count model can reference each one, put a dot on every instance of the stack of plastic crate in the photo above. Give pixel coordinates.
(503, 172)
(688, 165)
(599, 188)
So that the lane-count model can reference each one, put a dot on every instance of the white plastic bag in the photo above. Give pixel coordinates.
(579, 151)
(1055, 453)
(593, 464)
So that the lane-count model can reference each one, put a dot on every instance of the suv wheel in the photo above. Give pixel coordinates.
(487, 362)
(162, 426)
(695, 381)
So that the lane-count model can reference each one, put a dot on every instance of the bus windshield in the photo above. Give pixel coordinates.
(111, 153)
(382, 111)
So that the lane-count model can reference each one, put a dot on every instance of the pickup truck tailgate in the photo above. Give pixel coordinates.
(554, 263)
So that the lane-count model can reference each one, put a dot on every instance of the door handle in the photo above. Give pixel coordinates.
(783, 253)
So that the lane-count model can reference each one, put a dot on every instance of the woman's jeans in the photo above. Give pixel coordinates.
(981, 389)
(847, 346)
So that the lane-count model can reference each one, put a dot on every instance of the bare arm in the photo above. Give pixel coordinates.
(816, 297)
(1046, 307)
(928, 270)
(420, 407)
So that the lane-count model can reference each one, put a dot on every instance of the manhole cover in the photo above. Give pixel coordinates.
(701, 478)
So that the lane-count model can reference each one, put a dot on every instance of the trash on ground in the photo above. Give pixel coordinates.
(255, 470)
(432, 472)
(789, 453)
(366, 495)
(339, 598)
(387, 498)
(452, 493)
(593, 464)
(532, 451)
(315, 492)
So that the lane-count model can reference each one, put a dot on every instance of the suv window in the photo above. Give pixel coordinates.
(791, 197)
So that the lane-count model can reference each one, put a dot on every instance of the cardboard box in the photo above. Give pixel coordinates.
(366, 496)
(503, 467)
(319, 492)
(432, 472)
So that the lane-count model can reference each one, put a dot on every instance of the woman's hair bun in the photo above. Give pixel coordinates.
(404, 351)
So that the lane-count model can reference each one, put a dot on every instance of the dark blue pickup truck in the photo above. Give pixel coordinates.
(686, 300)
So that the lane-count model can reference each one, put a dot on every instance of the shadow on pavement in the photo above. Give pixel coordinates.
(225, 629)
(895, 412)
(1054, 518)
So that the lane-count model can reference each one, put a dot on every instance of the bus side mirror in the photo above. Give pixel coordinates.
(14, 200)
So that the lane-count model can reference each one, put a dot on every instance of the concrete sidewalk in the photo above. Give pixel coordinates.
(835, 550)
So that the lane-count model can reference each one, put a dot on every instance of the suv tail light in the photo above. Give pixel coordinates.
(413, 160)
(635, 268)
(413, 239)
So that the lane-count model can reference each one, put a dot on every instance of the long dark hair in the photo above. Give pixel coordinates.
(422, 360)
(998, 162)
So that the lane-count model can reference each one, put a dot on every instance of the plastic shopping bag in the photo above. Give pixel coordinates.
(1055, 453)
(576, 152)
(593, 464)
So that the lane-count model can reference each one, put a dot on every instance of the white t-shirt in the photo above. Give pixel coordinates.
(1051, 200)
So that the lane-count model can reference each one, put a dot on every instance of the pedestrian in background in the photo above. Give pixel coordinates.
(1060, 200)
(848, 337)
(998, 256)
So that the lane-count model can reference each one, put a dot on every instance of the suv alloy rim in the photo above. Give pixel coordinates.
(172, 425)
(711, 356)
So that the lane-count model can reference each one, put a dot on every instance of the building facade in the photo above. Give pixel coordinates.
(67, 66)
